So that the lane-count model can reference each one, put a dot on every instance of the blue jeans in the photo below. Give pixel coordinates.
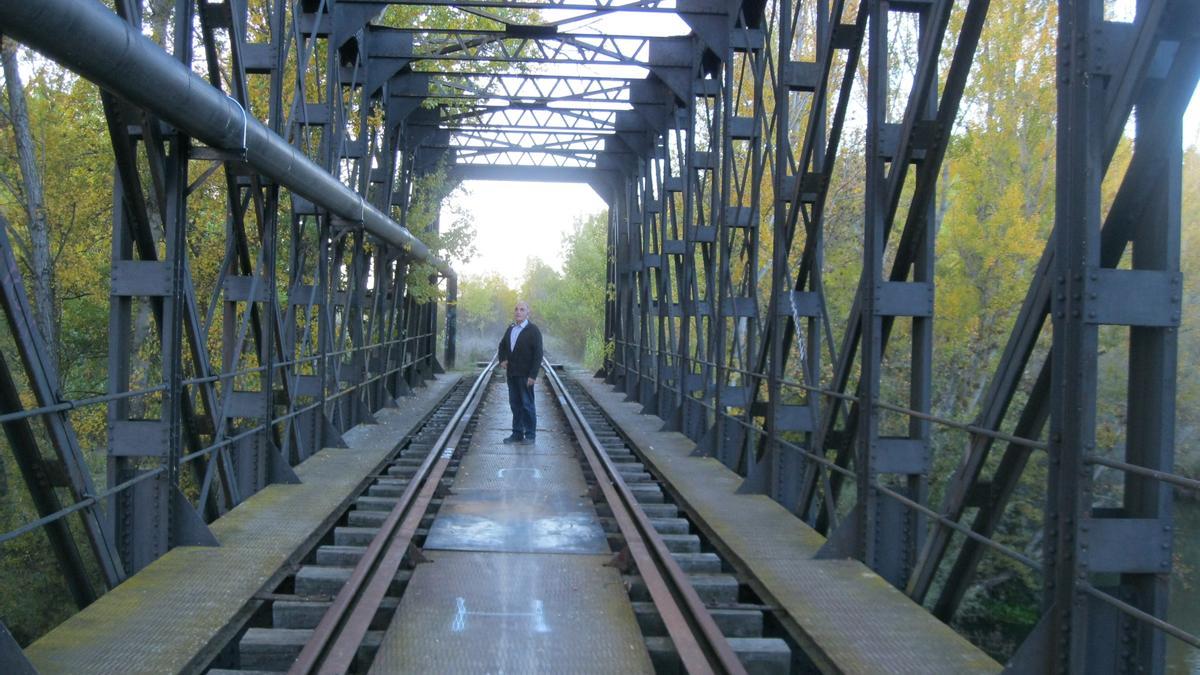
(520, 399)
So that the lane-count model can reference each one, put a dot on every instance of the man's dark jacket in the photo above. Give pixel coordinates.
(526, 358)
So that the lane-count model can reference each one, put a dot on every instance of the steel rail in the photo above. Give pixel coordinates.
(91, 40)
(336, 639)
(699, 642)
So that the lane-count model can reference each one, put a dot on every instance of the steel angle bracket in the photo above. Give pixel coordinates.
(12, 659)
(671, 62)
(189, 527)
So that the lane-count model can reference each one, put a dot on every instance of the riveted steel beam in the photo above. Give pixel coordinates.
(108, 51)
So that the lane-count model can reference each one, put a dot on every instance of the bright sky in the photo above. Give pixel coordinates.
(515, 221)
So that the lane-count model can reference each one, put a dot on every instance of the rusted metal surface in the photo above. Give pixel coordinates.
(336, 639)
(701, 646)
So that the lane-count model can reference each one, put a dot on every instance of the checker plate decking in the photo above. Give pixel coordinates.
(518, 472)
(518, 498)
(513, 613)
(169, 616)
(492, 520)
(853, 621)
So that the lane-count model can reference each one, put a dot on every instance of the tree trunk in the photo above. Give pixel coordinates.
(42, 263)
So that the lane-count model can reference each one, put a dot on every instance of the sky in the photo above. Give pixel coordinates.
(515, 221)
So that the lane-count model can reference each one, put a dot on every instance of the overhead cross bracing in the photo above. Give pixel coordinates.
(717, 150)
(542, 75)
(560, 76)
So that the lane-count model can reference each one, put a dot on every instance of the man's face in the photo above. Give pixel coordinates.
(520, 312)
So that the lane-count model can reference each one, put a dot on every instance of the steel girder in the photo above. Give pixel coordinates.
(700, 143)
(697, 348)
(310, 343)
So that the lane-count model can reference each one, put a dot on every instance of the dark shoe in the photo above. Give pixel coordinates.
(515, 438)
(528, 440)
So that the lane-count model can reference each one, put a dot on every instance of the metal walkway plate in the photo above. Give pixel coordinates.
(173, 614)
(513, 613)
(557, 474)
(518, 498)
(533, 522)
(851, 619)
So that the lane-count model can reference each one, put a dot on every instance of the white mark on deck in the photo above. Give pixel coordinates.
(536, 473)
(536, 616)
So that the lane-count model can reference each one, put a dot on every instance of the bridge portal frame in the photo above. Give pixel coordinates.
(736, 128)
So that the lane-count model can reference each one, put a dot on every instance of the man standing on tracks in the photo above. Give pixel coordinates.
(521, 352)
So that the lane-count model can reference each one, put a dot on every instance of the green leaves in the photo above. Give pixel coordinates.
(569, 306)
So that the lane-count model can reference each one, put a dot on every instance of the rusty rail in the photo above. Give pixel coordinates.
(336, 639)
(701, 646)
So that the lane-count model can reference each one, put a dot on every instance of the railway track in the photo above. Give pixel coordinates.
(331, 615)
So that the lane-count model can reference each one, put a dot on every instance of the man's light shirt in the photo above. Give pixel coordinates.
(512, 340)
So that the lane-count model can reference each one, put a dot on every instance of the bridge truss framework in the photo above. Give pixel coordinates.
(704, 146)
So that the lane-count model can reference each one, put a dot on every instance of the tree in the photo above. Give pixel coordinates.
(36, 245)
(484, 309)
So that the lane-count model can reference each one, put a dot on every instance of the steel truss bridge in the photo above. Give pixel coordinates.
(318, 117)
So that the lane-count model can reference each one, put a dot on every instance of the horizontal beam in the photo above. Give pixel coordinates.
(91, 40)
(545, 174)
(595, 6)
(600, 132)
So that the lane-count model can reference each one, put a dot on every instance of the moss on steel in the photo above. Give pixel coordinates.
(171, 615)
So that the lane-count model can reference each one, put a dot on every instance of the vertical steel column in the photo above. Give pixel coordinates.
(698, 340)
(745, 159)
(626, 262)
(868, 530)
(311, 430)
(795, 308)
(153, 515)
(1073, 383)
(671, 233)
(650, 280)
(635, 256)
(659, 316)
(914, 451)
(1151, 396)
(1084, 540)
(719, 439)
(776, 463)
(611, 288)
(680, 188)
(818, 490)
